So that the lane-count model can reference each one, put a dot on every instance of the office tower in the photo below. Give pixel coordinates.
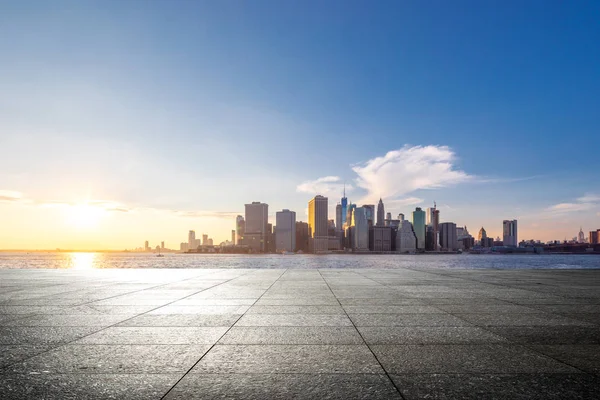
(448, 240)
(348, 220)
(330, 227)
(270, 239)
(419, 227)
(191, 240)
(380, 213)
(360, 229)
(256, 221)
(301, 237)
(233, 237)
(204, 240)
(509, 229)
(380, 238)
(388, 219)
(344, 207)
(317, 223)
(338, 217)
(162, 245)
(594, 237)
(401, 217)
(285, 231)
(146, 246)
(184, 246)
(370, 213)
(580, 236)
(482, 236)
(209, 242)
(406, 240)
(240, 226)
(433, 221)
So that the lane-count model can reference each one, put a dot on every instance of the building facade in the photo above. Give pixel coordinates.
(301, 237)
(256, 223)
(360, 229)
(406, 240)
(317, 224)
(240, 226)
(380, 238)
(509, 229)
(448, 238)
(285, 231)
(419, 227)
(380, 213)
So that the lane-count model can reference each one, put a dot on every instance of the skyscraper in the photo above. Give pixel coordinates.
(317, 223)
(580, 236)
(406, 241)
(256, 222)
(285, 231)
(380, 213)
(338, 217)
(419, 227)
(192, 240)
(204, 240)
(448, 239)
(360, 229)
(301, 236)
(344, 207)
(233, 236)
(370, 213)
(433, 221)
(240, 226)
(509, 228)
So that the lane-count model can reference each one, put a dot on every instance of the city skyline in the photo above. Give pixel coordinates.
(119, 125)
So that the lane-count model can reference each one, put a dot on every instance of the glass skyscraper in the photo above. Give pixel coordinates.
(419, 227)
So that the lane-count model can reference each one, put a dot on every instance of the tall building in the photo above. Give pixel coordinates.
(594, 237)
(580, 236)
(285, 231)
(240, 226)
(380, 238)
(360, 229)
(509, 229)
(338, 217)
(419, 227)
(349, 209)
(233, 236)
(380, 213)
(204, 240)
(192, 240)
(317, 224)
(301, 237)
(433, 221)
(256, 221)
(448, 239)
(146, 246)
(370, 213)
(388, 219)
(406, 241)
(162, 245)
(482, 236)
(344, 207)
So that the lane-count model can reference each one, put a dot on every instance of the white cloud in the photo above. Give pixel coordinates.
(584, 203)
(10, 196)
(408, 169)
(327, 186)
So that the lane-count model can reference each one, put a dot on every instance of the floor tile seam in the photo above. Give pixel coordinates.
(100, 330)
(511, 343)
(365, 343)
(217, 341)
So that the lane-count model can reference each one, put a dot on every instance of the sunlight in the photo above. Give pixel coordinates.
(85, 216)
(82, 260)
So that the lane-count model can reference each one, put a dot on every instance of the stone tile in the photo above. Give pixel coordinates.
(10, 354)
(264, 309)
(390, 309)
(194, 301)
(473, 359)
(520, 320)
(284, 386)
(155, 335)
(289, 359)
(427, 335)
(381, 302)
(203, 309)
(548, 334)
(486, 308)
(83, 386)
(292, 335)
(305, 301)
(584, 357)
(184, 320)
(70, 320)
(43, 335)
(407, 320)
(294, 320)
(497, 386)
(113, 359)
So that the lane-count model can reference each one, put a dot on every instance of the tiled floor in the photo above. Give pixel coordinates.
(310, 334)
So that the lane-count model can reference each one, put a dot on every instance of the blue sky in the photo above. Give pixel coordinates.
(201, 106)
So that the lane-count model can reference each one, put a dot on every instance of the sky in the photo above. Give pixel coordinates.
(125, 121)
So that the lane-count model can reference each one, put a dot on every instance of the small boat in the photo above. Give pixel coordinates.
(159, 255)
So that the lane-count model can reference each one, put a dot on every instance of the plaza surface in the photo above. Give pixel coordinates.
(293, 333)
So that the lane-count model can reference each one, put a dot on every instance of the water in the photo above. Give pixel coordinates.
(82, 261)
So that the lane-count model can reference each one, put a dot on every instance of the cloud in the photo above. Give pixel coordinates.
(207, 214)
(10, 196)
(584, 203)
(327, 185)
(408, 169)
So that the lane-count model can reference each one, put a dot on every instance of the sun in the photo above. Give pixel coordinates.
(84, 215)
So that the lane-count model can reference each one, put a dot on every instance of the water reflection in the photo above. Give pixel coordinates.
(82, 260)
